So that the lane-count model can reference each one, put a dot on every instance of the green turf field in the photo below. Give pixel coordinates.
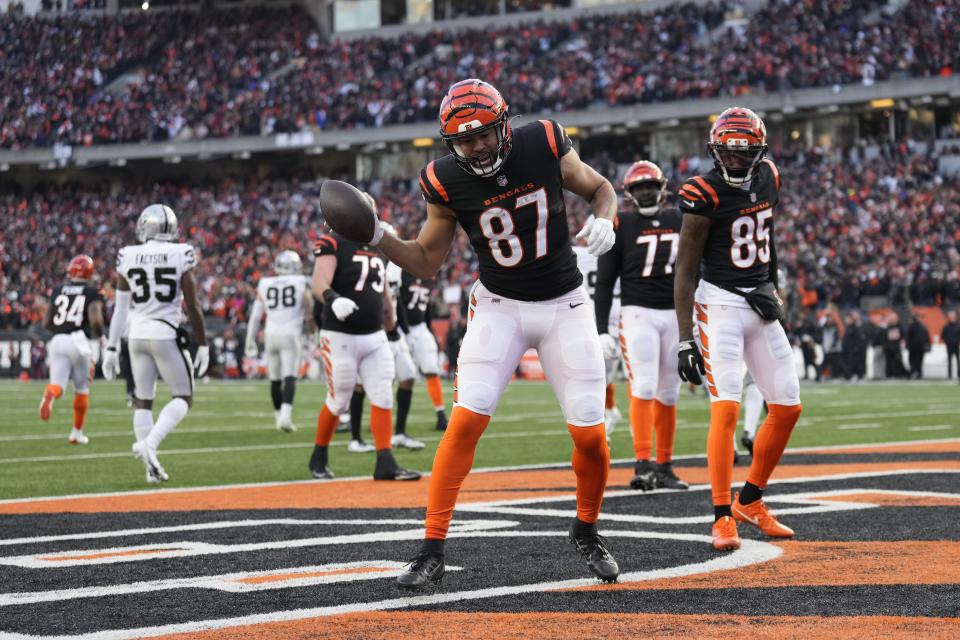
(229, 437)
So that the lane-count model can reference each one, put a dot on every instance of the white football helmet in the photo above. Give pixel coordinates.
(288, 262)
(157, 222)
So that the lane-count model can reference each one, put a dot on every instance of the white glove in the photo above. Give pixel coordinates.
(609, 346)
(399, 346)
(599, 234)
(342, 307)
(202, 360)
(251, 350)
(111, 364)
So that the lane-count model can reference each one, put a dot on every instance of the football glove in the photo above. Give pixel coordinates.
(609, 346)
(599, 234)
(251, 350)
(111, 363)
(342, 307)
(202, 361)
(690, 365)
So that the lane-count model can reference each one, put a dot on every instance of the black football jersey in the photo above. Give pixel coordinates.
(739, 251)
(70, 304)
(516, 220)
(643, 257)
(361, 276)
(414, 296)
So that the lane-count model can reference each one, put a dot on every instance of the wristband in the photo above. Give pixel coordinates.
(329, 296)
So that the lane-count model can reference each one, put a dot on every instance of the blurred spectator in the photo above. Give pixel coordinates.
(951, 338)
(918, 344)
(854, 347)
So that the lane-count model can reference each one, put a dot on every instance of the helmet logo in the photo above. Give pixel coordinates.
(467, 126)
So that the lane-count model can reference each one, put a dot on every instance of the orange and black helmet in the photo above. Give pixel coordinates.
(80, 268)
(646, 187)
(738, 142)
(470, 107)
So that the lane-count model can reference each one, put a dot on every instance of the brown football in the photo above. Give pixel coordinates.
(347, 211)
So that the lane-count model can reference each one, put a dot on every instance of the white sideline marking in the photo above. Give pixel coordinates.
(932, 427)
(865, 425)
(190, 548)
(751, 552)
(228, 582)
(522, 467)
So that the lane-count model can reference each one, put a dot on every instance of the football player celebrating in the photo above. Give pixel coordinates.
(587, 263)
(643, 259)
(285, 297)
(504, 187)
(728, 234)
(350, 278)
(153, 279)
(75, 315)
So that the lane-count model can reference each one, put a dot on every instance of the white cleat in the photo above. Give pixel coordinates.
(611, 418)
(405, 441)
(287, 426)
(148, 456)
(356, 446)
(77, 436)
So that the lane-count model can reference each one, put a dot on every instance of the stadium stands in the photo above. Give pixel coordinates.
(267, 70)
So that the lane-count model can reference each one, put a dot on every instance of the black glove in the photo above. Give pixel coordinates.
(690, 365)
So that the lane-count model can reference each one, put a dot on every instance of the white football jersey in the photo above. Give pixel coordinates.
(394, 275)
(153, 271)
(282, 297)
(587, 263)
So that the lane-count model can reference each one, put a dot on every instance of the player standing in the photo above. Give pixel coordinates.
(643, 260)
(75, 315)
(504, 187)
(728, 233)
(284, 297)
(153, 279)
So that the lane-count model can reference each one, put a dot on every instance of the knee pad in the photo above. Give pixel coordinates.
(585, 409)
(380, 395)
(668, 397)
(642, 388)
(477, 396)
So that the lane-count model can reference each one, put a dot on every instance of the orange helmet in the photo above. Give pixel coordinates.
(738, 142)
(470, 107)
(80, 268)
(646, 187)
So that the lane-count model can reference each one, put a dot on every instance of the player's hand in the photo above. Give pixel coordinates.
(609, 346)
(111, 364)
(690, 365)
(342, 307)
(251, 350)
(599, 234)
(202, 360)
(378, 227)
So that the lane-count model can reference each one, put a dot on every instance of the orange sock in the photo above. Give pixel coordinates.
(435, 391)
(55, 390)
(380, 426)
(771, 440)
(723, 422)
(81, 402)
(665, 422)
(591, 463)
(326, 425)
(611, 400)
(450, 466)
(641, 423)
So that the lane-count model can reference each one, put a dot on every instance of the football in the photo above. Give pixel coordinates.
(347, 211)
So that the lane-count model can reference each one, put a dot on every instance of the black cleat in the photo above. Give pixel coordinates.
(644, 478)
(747, 443)
(388, 469)
(666, 478)
(441, 420)
(425, 569)
(323, 473)
(592, 547)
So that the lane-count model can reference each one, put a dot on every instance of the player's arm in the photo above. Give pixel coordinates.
(194, 311)
(95, 318)
(308, 310)
(424, 256)
(121, 308)
(48, 317)
(324, 267)
(583, 180)
(608, 270)
(253, 325)
(693, 237)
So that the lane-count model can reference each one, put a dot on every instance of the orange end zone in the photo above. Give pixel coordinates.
(453, 626)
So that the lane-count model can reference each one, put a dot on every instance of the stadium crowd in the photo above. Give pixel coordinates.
(849, 226)
(267, 70)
